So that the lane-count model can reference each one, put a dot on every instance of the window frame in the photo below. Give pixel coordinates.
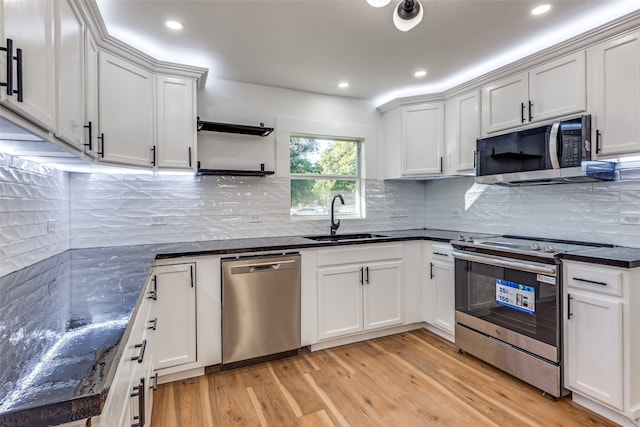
(358, 177)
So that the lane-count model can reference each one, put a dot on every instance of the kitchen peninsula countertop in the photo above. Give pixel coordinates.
(67, 376)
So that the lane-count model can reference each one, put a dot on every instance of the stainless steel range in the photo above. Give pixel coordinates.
(508, 305)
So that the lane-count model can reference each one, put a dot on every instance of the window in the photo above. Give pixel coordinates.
(321, 168)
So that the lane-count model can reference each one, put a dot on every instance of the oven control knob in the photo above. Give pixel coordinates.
(549, 249)
(461, 238)
(469, 238)
(535, 247)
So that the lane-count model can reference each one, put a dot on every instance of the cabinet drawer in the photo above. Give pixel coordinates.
(359, 254)
(593, 278)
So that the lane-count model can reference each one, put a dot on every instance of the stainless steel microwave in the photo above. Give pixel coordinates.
(552, 153)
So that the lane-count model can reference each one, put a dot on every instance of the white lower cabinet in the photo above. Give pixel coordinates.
(439, 292)
(130, 397)
(602, 350)
(174, 314)
(359, 289)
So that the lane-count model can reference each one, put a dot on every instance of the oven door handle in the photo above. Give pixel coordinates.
(531, 267)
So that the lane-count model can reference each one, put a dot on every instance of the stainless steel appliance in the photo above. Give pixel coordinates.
(552, 153)
(508, 306)
(260, 308)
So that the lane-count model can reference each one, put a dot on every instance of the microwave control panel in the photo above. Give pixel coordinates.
(571, 149)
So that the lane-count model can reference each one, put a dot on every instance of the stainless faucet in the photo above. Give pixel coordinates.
(336, 224)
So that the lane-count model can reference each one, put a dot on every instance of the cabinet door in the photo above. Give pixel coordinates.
(614, 94)
(175, 311)
(91, 93)
(558, 88)
(383, 297)
(29, 23)
(126, 112)
(504, 103)
(443, 295)
(70, 71)
(422, 139)
(594, 348)
(463, 128)
(176, 122)
(340, 309)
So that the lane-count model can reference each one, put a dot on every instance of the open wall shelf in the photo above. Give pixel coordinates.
(234, 128)
(234, 172)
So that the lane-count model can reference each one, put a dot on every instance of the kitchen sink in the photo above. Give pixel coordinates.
(344, 237)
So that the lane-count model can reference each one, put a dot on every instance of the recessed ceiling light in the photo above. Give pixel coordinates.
(343, 85)
(420, 73)
(541, 9)
(174, 25)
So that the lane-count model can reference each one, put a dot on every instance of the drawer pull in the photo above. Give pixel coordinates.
(153, 324)
(440, 253)
(154, 386)
(142, 347)
(138, 391)
(593, 282)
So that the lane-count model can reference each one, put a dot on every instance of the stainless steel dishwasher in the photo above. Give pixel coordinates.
(260, 308)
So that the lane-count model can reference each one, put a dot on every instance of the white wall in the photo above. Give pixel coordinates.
(30, 196)
(583, 212)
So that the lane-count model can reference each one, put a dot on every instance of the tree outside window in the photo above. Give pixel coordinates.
(321, 168)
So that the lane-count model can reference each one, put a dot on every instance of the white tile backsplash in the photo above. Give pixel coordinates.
(583, 212)
(134, 209)
(92, 210)
(31, 195)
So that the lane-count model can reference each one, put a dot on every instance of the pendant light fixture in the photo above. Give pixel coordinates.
(406, 15)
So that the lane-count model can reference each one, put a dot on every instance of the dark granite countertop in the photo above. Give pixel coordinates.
(64, 320)
(615, 257)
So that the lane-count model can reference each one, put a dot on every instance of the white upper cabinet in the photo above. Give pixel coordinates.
(69, 32)
(126, 105)
(176, 122)
(554, 89)
(614, 94)
(462, 129)
(422, 139)
(91, 94)
(29, 25)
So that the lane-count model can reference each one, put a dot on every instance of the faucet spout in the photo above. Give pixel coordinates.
(335, 224)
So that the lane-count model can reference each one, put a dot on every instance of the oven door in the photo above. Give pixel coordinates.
(511, 300)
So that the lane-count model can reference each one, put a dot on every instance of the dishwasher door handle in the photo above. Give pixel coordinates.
(265, 266)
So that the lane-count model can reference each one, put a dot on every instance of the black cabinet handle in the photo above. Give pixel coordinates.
(431, 270)
(440, 253)
(139, 392)
(89, 126)
(189, 156)
(18, 59)
(101, 138)
(366, 270)
(142, 347)
(153, 324)
(362, 275)
(475, 159)
(569, 313)
(598, 136)
(153, 150)
(522, 111)
(441, 164)
(530, 114)
(154, 386)
(9, 67)
(593, 282)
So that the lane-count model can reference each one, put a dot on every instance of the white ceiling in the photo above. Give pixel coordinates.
(312, 45)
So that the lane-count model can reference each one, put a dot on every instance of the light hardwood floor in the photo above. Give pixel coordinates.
(409, 379)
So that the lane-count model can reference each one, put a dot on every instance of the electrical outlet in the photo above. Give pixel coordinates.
(630, 218)
(456, 213)
(51, 226)
(158, 220)
(255, 218)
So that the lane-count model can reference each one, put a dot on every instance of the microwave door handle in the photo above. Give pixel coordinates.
(553, 145)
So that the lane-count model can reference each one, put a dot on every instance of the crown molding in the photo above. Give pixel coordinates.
(95, 25)
(614, 28)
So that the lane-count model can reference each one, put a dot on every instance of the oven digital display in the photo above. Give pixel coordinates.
(516, 296)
